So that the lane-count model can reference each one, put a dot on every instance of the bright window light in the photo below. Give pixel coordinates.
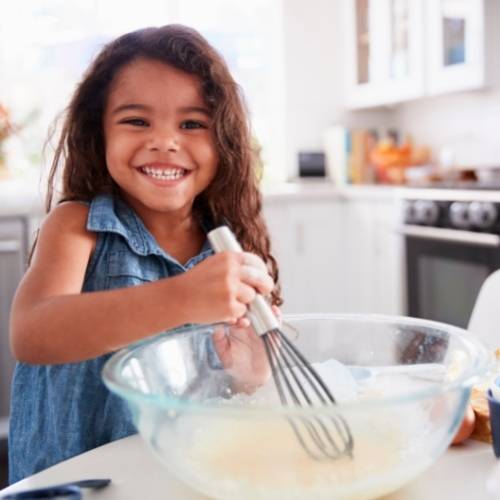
(45, 47)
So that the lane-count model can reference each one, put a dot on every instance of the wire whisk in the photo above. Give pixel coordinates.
(323, 436)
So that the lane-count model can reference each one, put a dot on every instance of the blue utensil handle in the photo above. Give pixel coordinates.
(94, 484)
(65, 491)
(69, 491)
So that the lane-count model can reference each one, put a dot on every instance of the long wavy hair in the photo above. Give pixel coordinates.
(233, 196)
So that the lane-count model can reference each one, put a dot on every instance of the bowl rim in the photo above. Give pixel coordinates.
(483, 362)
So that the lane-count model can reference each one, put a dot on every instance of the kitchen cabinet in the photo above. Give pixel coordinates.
(400, 50)
(373, 256)
(459, 49)
(304, 237)
(341, 254)
(14, 231)
(385, 51)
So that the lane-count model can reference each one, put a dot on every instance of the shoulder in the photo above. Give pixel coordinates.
(69, 212)
(67, 223)
(62, 252)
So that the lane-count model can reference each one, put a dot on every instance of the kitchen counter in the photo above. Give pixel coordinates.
(21, 197)
(460, 474)
(26, 196)
(321, 189)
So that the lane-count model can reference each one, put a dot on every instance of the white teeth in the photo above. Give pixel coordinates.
(164, 174)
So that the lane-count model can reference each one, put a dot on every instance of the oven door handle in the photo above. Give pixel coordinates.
(451, 235)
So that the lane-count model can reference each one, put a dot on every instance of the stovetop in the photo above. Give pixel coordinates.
(487, 186)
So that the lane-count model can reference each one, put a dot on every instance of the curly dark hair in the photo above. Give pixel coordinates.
(233, 196)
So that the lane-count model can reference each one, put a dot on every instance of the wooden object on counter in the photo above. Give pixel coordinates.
(482, 429)
(479, 403)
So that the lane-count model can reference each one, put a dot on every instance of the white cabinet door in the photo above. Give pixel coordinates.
(276, 215)
(359, 258)
(456, 48)
(317, 238)
(306, 236)
(372, 261)
(338, 255)
(389, 258)
(385, 51)
(399, 50)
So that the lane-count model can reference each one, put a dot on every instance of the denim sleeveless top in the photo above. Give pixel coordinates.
(59, 411)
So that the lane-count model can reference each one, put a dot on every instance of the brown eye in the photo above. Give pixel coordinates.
(136, 122)
(192, 124)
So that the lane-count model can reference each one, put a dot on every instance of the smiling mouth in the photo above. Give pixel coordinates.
(164, 174)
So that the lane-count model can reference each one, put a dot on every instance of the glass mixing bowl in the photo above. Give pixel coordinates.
(402, 385)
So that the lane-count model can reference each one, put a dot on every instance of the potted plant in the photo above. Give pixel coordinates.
(7, 128)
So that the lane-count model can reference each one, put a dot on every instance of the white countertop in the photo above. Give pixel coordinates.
(323, 189)
(26, 196)
(460, 474)
(21, 197)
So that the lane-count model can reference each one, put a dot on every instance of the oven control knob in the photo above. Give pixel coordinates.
(409, 212)
(483, 215)
(459, 215)
(426, 212)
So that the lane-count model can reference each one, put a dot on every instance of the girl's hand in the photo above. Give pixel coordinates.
(221, 287)
(243, 355)
(244, 322)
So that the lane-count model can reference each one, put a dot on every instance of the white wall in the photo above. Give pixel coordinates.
(314, 79)
(467, 123)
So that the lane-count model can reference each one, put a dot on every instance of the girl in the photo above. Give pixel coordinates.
(155, 151)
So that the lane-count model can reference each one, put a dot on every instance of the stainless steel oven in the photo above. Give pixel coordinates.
(451, 245)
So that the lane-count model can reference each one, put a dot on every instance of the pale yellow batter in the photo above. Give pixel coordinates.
(261, 458)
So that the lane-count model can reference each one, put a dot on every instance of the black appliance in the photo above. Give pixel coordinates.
(311, 164)
(452, 245)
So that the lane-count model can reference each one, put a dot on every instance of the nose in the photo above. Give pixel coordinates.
(163, 140)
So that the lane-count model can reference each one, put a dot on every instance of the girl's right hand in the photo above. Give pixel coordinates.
(221, 287)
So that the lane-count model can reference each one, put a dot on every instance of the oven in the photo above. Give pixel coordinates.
(451, 247)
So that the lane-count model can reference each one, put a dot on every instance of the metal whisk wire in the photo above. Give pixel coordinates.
(323, 436)
(328, 436)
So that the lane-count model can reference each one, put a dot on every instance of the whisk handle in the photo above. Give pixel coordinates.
(222, 239)
(259, 312)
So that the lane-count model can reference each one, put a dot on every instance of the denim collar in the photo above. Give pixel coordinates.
(108, 213)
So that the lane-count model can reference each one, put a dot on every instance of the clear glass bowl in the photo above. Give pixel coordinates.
(403, 387)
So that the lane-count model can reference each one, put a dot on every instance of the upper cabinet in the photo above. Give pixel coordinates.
(405, 49)
(456, 52)
(385, 51)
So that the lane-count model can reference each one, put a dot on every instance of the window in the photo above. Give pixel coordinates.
(45, 47)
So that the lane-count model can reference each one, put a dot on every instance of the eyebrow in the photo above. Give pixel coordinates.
(130, 107)
(144, 107)
(195, 109)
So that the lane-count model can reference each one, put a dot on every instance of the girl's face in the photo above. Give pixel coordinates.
(160, 147)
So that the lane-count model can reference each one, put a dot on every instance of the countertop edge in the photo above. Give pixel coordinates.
(21, 198)
(136, 473)
(326, 190)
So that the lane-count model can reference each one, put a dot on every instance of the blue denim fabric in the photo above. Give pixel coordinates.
(59, 411)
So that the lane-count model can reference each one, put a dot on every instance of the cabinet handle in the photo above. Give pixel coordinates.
(299, 241)
(9, 246)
